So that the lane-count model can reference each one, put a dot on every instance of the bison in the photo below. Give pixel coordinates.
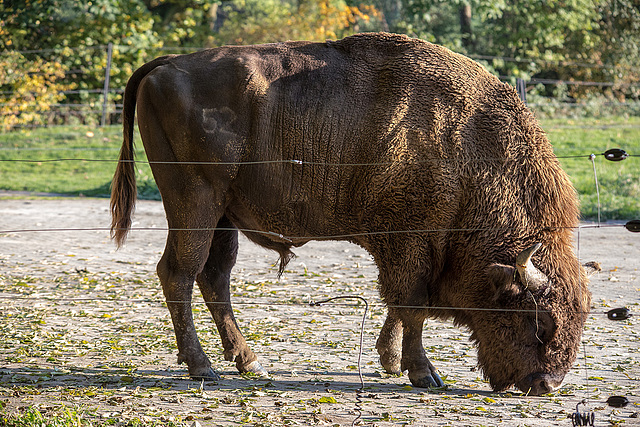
(413, 152)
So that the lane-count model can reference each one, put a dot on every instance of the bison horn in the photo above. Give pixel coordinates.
(529, 274)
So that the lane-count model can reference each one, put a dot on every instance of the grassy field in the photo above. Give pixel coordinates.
(75, 161)
(619, 182)
(91, 154)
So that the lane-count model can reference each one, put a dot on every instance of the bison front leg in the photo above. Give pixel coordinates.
(414, 360)
(389, 344)
(214, 285)
(403, 327)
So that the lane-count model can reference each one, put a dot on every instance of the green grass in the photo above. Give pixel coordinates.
(619, 181)
(94, 152)
(32, 417)
(62, 416)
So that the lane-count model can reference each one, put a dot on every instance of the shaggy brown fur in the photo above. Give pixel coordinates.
(393, 134)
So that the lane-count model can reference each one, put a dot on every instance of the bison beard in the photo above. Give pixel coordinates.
(362, 138)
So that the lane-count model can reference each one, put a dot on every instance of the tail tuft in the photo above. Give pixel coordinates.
(123, 199)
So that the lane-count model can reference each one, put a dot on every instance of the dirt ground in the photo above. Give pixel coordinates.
(84, 326)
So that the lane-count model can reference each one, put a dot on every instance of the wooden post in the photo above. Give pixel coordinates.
(107, 74)
(521, 87)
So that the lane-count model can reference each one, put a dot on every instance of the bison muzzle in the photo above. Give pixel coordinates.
(413, 152)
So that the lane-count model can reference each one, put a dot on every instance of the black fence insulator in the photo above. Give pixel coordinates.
(621, 313)
(582, 418)
(617, 401)
(633, 226)
(615, 154)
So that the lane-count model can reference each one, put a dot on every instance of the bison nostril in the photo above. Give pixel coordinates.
(540, 386)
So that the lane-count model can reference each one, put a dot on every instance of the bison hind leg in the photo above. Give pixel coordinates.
(214, 283)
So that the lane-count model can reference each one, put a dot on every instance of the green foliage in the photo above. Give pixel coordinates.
(432, 20)
(185, 22)
(49, 24)
(58, 45)
(619, 31)
(584, 40)
(545, 30)
(28, 89)
(254, 21)
(33, 417)
(262, 21)
(73, 35)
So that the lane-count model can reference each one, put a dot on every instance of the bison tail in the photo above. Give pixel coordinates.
(123, 186)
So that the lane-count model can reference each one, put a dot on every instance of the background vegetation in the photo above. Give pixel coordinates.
(53, 52)
(579, 57)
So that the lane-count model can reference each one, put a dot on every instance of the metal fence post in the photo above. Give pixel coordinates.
(107, 74)
(521, 87)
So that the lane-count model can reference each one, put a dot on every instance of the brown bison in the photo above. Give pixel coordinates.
(415, 153)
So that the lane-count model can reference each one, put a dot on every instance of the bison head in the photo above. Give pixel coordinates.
(531, 332)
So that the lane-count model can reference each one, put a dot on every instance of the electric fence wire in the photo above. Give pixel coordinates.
(592, 157)
(360, 391)
(297, 161)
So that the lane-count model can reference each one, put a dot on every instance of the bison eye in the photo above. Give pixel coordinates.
(541, 327)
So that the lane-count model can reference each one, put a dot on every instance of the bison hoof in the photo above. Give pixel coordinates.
(431, 380)
(210, 375)
(255, 368)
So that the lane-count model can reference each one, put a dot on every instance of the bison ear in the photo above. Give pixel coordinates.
(502, 281)
(591, 268)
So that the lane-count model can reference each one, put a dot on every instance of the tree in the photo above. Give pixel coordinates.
(53, 24)
(542, 38)
(619, 52)
(263, 21)
(73, 34)
(28, 88)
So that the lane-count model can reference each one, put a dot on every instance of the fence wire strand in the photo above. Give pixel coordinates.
(268, 302)
(590, 156)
